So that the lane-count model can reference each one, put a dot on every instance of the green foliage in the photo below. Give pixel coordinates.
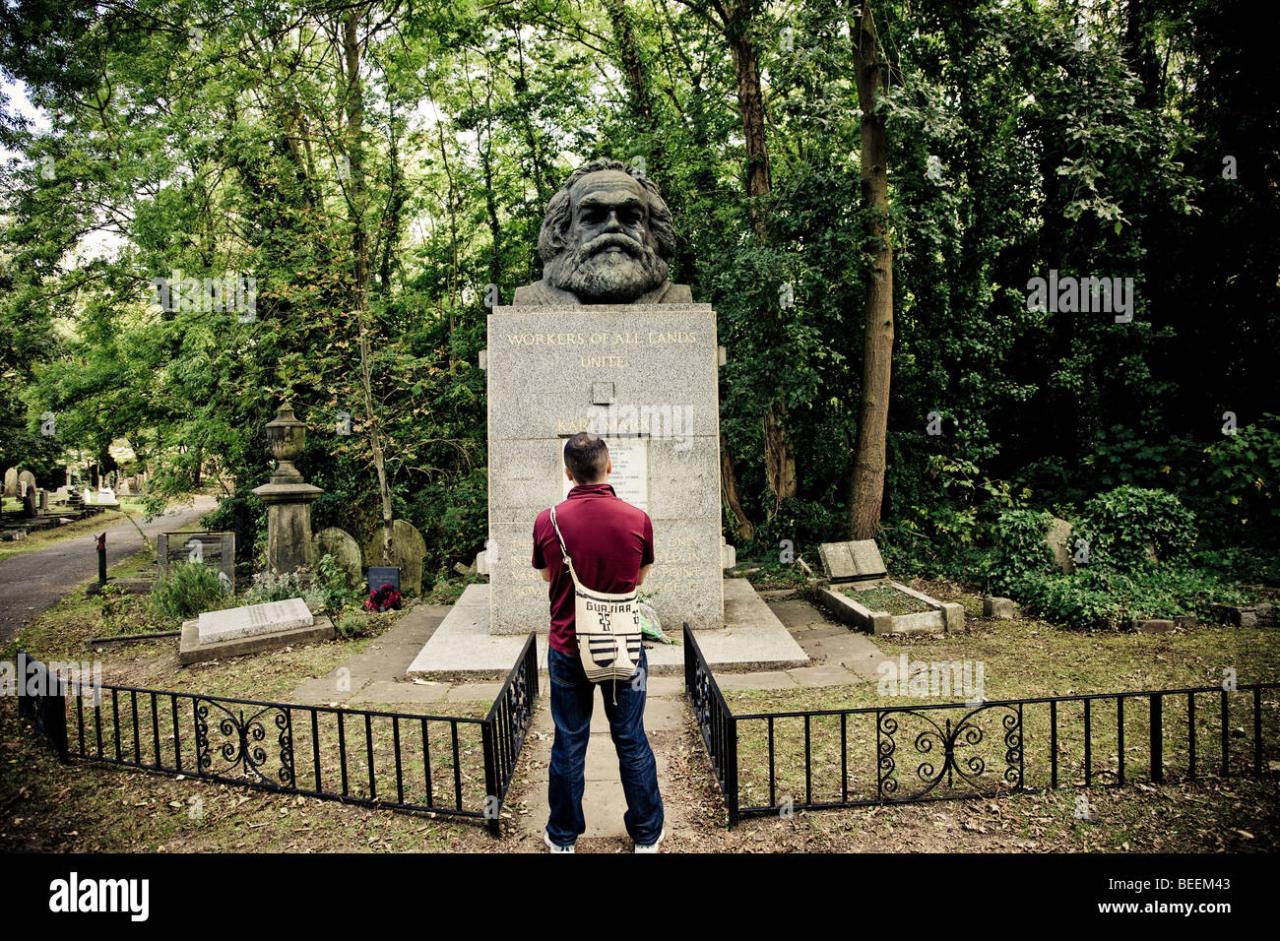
(353, 623)
(1129, 528)
(1019, 554)
(269, 586)
(187, 590)
(1102, 597)
(1243, 477)
(1016, 149)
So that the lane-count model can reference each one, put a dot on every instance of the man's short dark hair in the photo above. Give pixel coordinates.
(586, 455)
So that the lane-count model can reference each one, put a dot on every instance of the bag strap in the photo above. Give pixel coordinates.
(564, 550)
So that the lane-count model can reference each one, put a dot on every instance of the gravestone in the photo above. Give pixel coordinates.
(380, 575)
(1058, 539)
(26, 481)
(345, 551)
(29, 504)
(11, 482)
(44, 499)
(234, 632)
(851, 561)
(408, 549)
(252, 620)
(217, 549)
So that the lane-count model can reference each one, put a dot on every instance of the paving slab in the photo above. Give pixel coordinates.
(324, 689)
(391, 691)
(471, 692)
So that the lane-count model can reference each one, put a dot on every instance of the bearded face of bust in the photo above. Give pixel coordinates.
(599, 241)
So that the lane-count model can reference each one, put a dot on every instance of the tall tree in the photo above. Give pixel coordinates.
(866, 487)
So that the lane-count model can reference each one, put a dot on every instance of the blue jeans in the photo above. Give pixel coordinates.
(572, 699)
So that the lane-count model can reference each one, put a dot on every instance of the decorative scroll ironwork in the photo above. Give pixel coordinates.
(519, 708)
(948, 751)
(236, 738)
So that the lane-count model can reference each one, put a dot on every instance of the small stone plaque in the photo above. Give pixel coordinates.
(849, 561)
(253, 620)
(630, 477)
(380, 575)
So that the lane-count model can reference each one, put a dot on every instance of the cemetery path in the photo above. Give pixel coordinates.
(32, 582)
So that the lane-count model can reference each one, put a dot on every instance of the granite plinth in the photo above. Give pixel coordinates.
(624, 372)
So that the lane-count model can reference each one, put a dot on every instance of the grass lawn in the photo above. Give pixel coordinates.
(1014, 660)
(42, 539)
(94, 808)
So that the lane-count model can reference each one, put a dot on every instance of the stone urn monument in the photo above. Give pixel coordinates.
(288, 497)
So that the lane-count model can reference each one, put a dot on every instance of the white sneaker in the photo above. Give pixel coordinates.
(652, 847)
(555, 847)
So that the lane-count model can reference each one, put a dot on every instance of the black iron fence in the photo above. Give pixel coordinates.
(452, 765)
(770, 763)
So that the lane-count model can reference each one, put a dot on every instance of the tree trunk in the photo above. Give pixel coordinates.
(729, 487)
(779, 455)
(866, 489)
(360, 257)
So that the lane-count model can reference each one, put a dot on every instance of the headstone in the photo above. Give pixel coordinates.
(11, 482)
(217, 549)
(253, 620)
(107, 497)
(26, 481)
(345, 550)
(851, 561)
(1058, 539)
(44, 499)
(123, 488)
(87, 496)
(380, 575)
(29, 505)
(1001, 609)
(408, 550)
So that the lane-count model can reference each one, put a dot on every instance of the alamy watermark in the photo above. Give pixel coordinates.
(230, 293)
(1068, 294)
(939, 678)
(30, 677)
(658, 420)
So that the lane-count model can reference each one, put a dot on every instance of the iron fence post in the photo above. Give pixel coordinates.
(1157, 739)
(491, 790)
(731, 767)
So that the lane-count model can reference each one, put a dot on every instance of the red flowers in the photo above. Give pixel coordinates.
(383, 599)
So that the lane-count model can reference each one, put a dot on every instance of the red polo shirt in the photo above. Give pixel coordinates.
(609, 541)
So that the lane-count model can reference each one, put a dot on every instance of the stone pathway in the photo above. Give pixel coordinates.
(376, 676)
(33, 582)
(842, 658)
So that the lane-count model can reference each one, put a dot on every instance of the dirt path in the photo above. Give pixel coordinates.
(32, 582)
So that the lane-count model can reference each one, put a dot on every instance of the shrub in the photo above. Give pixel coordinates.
(331, 582)
(268, 586)
(186, 590)
(1103, 597)
(1129, 527)
(1019, 554)
(352, 623)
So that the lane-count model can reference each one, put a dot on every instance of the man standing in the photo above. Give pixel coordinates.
(611, 544)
